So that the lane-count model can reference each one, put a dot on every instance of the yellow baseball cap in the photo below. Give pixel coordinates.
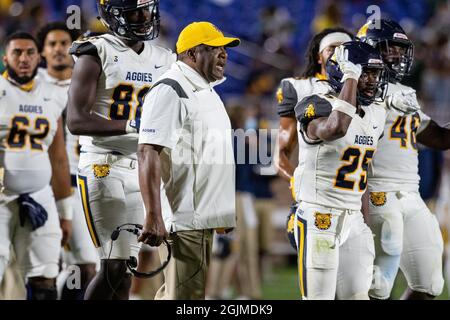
(206, 33)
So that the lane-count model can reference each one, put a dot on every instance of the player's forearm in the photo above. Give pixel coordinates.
(150, 180)
(60, 182)
(94, 125)
(285, 167)
(331, 128)
(337, 123)
(287, 140)
(435, 137)
(349, 91)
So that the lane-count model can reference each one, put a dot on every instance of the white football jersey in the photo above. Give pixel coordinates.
(28, 123)
(125, 80)
(72, 143)
(334, 173)
(396, 164)
(293, 90)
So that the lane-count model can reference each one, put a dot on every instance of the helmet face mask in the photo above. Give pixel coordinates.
(396, 49)
(136, 20)
(372, 84)
(398, 57)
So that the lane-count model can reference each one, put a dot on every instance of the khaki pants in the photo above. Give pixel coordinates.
(185, 275)
(264, 210)
(242, 263)
(13, 286)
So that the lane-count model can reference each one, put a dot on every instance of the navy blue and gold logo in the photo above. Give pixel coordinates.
(378, 199)
(101, 170)
(322, 221)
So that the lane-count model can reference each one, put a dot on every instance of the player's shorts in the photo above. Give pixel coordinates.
(37, 252)
(110, 196)
(79, 249)
(407, 234)
(335, 253)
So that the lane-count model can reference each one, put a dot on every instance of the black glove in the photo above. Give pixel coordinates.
(290, 225)
(29, 208)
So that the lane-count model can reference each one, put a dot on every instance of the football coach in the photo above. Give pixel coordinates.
(185, 138)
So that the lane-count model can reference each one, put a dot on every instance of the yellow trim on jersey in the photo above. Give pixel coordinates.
(82, 186)
(320, 76)
(25, 87)
(301, 255)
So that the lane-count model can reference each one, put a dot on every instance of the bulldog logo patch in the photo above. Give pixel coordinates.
(310, 111)
(101, 170)
(378, 199)
(323, 220)
(279, 95)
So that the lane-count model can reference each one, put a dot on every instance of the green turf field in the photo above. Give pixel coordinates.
(283, 285)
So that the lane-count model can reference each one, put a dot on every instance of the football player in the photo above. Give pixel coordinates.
(55, 40)
(292, 90)
(407, 234)
(341, 133)
(34, 160)
(111, 76)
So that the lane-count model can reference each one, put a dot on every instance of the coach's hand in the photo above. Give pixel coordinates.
(154, 232)
(66, 227)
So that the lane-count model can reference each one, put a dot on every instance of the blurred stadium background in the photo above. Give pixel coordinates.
(275, 34)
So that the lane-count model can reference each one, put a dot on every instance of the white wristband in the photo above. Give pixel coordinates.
(65, 208)
(131, 127)
(344, 107)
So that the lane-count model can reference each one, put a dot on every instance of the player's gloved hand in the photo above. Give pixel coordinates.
(66, 228)
(133, 126)
(349, 69)
(290, 225)
(403, 102)
(31, 210)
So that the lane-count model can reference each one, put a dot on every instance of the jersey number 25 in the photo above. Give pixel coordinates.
(353, 155)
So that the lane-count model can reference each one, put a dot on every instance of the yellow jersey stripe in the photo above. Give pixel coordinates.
(301, 257)
(82, 186)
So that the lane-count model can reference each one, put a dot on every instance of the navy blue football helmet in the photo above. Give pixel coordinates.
(370, 60)
(395, 47)
(136, 20)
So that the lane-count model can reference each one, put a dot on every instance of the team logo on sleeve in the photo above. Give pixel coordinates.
(323, 220)
(310, 111)
(280, 95)
(378, 199)
(101, 170)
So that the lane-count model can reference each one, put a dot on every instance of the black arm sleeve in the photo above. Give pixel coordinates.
(310, 108)
(80, 48)
(287, 99)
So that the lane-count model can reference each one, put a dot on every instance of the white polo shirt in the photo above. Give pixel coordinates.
(185, 115)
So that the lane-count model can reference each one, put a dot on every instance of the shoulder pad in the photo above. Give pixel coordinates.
(312, 107)
(287, 99)
(80, 48)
